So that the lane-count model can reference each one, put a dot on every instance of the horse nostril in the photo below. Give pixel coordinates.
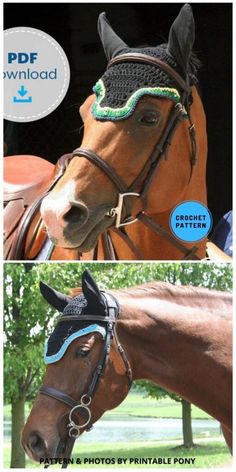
(77, 214)
(36, 444)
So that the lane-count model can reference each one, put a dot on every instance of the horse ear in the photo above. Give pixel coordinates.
(182, 36)
(56, 299)
(92, 292)
(111, 42)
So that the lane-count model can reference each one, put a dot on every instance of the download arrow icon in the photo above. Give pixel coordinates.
(22, 92)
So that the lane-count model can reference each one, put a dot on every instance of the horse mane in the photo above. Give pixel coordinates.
(165, 289)
(213, 302)
(74, 292)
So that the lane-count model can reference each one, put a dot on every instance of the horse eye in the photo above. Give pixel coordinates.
(149, 118)
(82, 352)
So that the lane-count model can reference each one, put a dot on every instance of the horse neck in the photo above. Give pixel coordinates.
(181, 347)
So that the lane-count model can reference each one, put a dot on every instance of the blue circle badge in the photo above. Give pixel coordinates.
(190, 221)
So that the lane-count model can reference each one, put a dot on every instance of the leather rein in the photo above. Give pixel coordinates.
(146, 176)
(83, 406)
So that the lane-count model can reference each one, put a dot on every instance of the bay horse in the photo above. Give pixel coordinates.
(144, 151)
(178, 337)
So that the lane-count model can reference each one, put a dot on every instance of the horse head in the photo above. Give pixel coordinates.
(74, 395)
(129, 123)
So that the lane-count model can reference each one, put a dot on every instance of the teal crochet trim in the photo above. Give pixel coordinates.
(82, 332)
(113, 114)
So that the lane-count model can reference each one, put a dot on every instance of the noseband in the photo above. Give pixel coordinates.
(140, 186)
(83, 406)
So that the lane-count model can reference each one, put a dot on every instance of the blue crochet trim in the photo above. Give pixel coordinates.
(82, 332)
(107, 113)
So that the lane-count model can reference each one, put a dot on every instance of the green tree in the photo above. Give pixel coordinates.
(22, 361)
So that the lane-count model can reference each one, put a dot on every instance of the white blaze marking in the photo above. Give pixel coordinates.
(55, 206)
(59, 201)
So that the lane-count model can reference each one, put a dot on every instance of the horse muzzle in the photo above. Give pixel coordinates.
(74, 225)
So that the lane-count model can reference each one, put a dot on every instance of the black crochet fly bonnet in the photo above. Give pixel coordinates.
(90, 302)
(122, 85)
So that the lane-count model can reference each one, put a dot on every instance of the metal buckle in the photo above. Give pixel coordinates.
(117, 211)
(181, 110)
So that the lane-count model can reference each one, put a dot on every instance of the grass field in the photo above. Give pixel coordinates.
(210, 453)
(206, 455)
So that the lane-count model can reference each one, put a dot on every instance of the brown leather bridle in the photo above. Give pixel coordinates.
(141, 185)
(82, 407)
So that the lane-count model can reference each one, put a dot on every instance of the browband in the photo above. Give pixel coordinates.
(144, 58)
